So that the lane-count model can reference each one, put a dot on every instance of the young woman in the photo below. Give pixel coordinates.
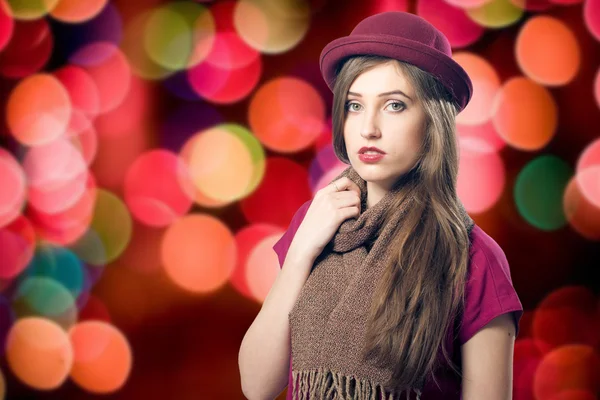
(388, 289)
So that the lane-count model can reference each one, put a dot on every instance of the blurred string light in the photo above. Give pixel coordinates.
(260, 279)
(38, 110)
(39, 353)
(59, 264)
(581, 212)
(28, 50)
(140, 62)
(481, 177)
(67, 226)
(272, 27)
(108, 68)
(539, 192)
(525, 114)
(57, 174)
(557, 358)
(591, 17)
(174, 37)
(582, 196)
(45, 297)
(199, 239)
(495, 14)
(569, 367)
(13, 197)
(83, 90)
(179, 35)
(125, 123)
(486, 84)
(453, 21)
(158, 189)
(17, 241)
(570, 371)
(527, 357)
(102, 357)
(219, 178)
(249, 277)
(286, 114)
(81, 133)
(105, 240)
(484, 135)
(76, 11)
(588, 172)
(547, 51)
(234, 68)
(30, 10)
(566, 315)
(7, 26)
(93, 353)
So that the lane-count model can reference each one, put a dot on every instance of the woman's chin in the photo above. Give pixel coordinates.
(371, 174)
(373, 171)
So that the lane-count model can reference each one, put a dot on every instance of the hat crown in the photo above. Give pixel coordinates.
(402, 36)
(406, 25)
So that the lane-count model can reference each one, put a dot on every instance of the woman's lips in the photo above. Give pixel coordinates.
(370, 158)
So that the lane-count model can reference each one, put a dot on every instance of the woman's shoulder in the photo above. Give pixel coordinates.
(489, 291)
(485, 252)
(481, 241)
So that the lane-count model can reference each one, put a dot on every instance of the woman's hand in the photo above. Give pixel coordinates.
(328, 209)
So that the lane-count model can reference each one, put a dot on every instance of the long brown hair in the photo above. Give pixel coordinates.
(422, 290)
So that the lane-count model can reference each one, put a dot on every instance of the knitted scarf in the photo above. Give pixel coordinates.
(328, 320)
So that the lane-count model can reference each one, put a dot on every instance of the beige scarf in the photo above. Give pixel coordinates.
(329, 317)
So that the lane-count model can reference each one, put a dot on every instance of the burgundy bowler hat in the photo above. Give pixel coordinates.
(406, 37)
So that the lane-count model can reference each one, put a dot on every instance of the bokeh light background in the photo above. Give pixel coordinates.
(153, 152)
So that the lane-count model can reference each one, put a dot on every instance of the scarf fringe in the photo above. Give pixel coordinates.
(326, 384)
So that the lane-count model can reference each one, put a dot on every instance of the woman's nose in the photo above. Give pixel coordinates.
(369, 126)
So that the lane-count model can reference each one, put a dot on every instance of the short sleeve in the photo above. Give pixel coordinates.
(489, 291)
(283, 244)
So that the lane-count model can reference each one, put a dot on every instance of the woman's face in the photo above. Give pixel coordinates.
(383, 111)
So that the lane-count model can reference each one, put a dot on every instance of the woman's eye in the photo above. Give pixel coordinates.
(349, 106)
(397, 106)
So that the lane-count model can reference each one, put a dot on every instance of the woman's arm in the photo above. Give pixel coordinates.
(487, 361)
(264, 353)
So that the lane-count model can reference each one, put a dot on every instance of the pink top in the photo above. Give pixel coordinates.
(489, 293)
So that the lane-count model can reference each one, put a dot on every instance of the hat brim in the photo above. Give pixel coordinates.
(444, 68)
